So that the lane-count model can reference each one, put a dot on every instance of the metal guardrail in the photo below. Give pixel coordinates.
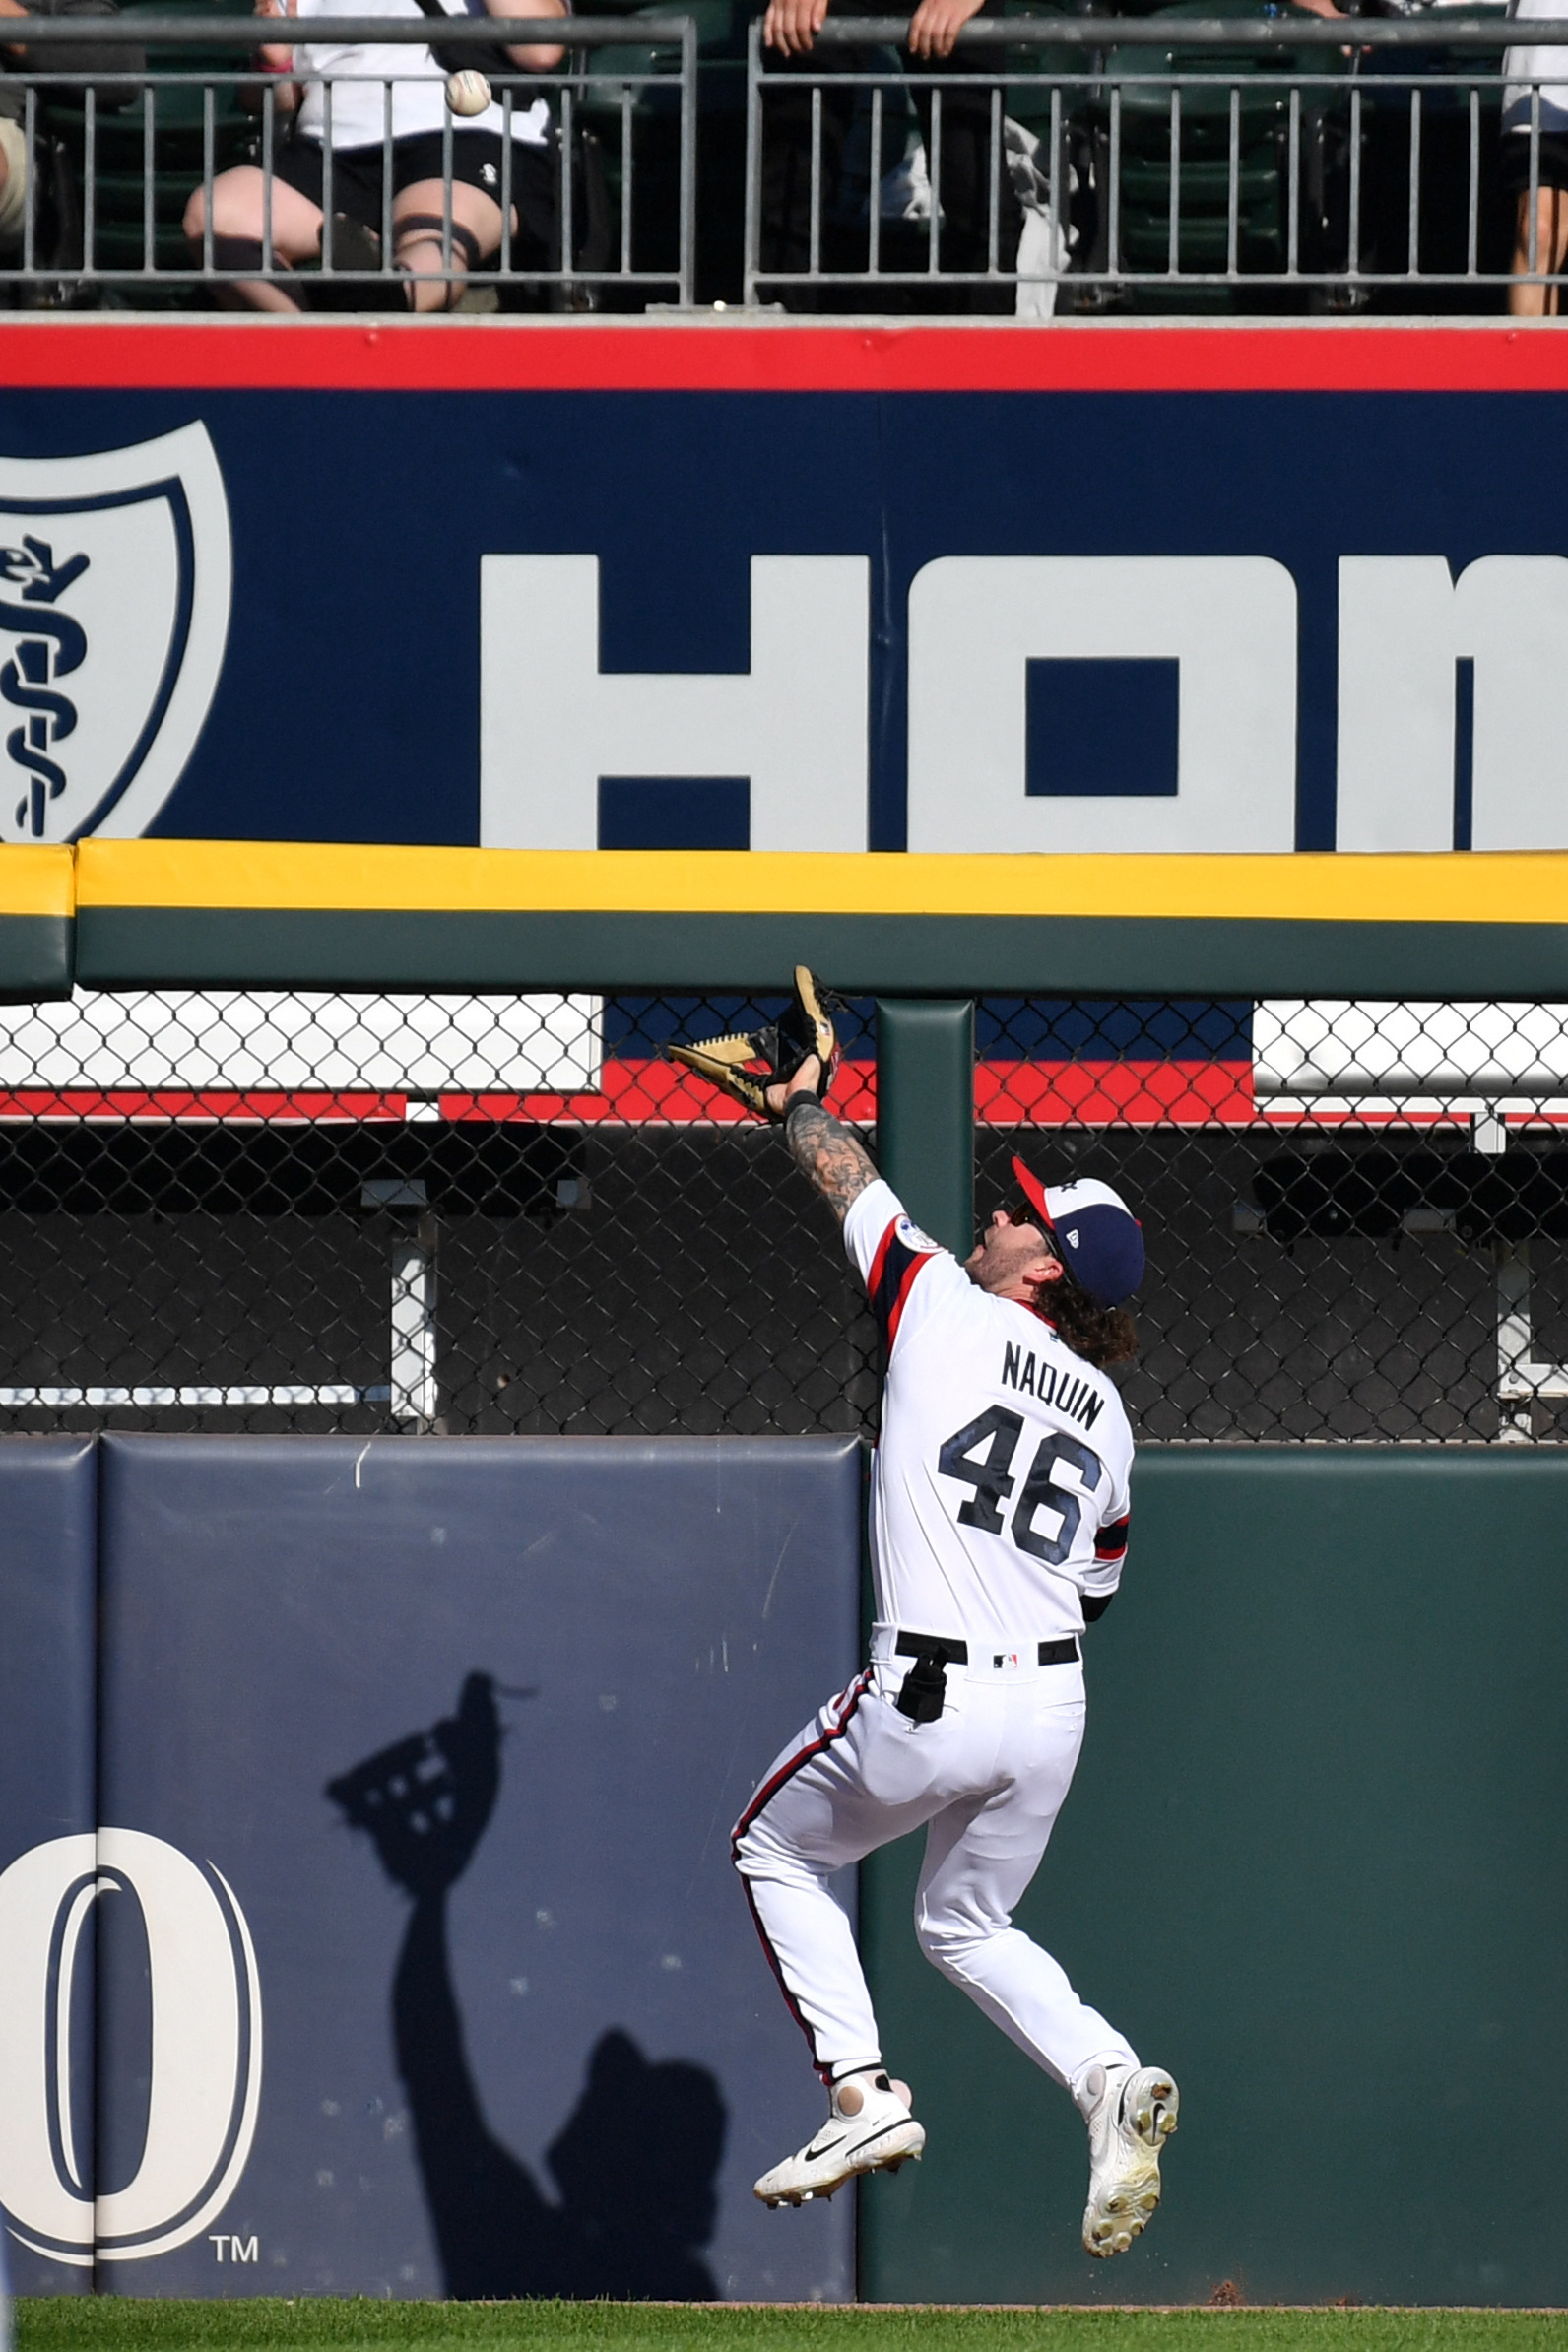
(1432, 30)
(119, 143)
(1144, 177)
(1090, 163)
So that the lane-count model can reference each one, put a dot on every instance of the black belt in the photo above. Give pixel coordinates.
(930, 1645)
(1065, 1652)
(937, 1647)
(924, 1688)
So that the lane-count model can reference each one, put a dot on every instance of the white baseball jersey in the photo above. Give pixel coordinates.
(1000, 1489)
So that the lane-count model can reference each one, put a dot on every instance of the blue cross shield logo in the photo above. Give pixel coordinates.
(116, 582)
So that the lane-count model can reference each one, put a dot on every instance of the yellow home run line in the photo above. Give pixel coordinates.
(1500, 886)
(1469, 888)
(36, 881)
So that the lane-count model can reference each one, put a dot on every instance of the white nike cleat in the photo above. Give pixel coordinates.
(870, 2130)
(1131, 2113)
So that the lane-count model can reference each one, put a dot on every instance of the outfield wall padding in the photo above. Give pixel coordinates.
(129, 948)
(512, 2034)
(1314, 1860)
(185, 913)
(48, 1548)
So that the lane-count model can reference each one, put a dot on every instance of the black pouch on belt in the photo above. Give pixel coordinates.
(924, 1689)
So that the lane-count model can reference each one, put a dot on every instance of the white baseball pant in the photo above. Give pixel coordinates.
(986, 1780)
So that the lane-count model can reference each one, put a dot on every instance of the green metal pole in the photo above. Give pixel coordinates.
(925, 1112)
(925, 1148)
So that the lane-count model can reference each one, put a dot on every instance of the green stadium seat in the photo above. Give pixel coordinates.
(120, 180)
(1263, 114)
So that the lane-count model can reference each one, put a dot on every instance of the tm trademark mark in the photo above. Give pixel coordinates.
(241, 2249)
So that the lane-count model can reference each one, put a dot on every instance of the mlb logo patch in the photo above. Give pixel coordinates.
(1004, 1660)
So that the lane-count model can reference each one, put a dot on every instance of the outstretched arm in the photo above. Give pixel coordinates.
(822, 1146)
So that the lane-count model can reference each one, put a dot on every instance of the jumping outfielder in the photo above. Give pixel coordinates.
(998, 1525)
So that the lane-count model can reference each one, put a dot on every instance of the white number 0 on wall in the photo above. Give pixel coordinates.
(206, 2048)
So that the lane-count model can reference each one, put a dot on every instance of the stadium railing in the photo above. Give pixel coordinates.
(1263, 160)
(1193, 157)
(111, 167)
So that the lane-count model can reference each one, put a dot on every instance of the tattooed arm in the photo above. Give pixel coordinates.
(822, 1147)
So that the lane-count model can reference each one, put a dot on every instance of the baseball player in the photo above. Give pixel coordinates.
(998, 1525)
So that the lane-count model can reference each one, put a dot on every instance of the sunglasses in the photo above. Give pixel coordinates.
(1019, 1212)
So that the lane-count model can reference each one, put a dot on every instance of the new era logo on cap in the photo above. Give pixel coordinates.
(1099, 1238)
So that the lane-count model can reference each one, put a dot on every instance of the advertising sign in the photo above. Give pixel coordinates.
(625, 585)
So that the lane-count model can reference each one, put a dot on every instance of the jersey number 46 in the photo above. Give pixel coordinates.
(999, 1431)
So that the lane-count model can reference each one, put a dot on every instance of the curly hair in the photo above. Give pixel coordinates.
(1101, 1336)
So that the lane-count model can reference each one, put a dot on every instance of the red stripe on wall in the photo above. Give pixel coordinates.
(724, 355)
(634, 1093)
(1132, 1093)
(1007, 1094)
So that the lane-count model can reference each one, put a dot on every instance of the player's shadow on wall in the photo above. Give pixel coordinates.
(636, 2162)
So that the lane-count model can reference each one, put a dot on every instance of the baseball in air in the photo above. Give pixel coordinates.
(468, 92)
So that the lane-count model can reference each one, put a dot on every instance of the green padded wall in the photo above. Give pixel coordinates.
(1314, 1860)
(925, 1113)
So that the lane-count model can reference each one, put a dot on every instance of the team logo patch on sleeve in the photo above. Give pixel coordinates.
(910, 1235)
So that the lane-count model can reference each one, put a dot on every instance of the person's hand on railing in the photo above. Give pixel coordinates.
(937, 23)
(793, 25)
(1328, 8)
(532, 60)
(276, 60)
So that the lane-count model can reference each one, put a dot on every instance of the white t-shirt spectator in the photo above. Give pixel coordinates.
(418, 86)
(1548, 67)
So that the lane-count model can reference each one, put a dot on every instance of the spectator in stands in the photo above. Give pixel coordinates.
(108, 59)
(966, 172)
(1524, 68)
(425, 226)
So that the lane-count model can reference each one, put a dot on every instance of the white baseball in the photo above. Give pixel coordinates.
(468, 92)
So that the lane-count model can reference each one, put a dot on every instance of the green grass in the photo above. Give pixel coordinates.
(358, 2326)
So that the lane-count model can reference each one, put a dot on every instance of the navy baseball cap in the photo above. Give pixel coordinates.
(1096, 1235)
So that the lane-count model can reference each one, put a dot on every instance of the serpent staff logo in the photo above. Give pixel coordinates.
(116, 582)
(51, 645)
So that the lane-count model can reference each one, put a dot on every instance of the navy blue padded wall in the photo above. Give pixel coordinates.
(47, 1570)
(513, 2031)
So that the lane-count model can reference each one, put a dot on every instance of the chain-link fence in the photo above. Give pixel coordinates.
(1354, 1211)
(487, 1214)
(469, 1214)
